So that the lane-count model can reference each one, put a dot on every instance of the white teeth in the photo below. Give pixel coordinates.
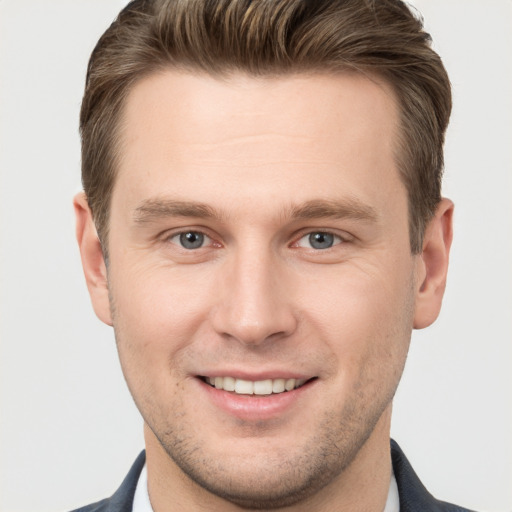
(278, 386)
(244, 387)
(263, 387)
(259, 387)
(289, 384)
(229, 384)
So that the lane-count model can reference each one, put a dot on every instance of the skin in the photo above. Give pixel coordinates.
(270, 161)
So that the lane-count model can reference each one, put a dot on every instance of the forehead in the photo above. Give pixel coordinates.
(318, 101)
(258, 136)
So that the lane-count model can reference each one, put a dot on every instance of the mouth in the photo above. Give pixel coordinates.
(265, 387)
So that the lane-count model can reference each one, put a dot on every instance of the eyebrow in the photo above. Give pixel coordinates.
(347, 208)
(155, 209)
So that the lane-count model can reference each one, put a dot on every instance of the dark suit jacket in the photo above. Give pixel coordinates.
(413, 495)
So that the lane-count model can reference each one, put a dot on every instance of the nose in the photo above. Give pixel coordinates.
(255, 302)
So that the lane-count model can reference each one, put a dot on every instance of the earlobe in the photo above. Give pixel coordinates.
(433, 265)
(93, 262)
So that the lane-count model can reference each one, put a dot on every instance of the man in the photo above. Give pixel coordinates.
(262, 224)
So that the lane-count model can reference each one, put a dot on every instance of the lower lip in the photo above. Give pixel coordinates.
(255, 407)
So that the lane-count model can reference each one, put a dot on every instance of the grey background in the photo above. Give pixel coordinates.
(68, 428)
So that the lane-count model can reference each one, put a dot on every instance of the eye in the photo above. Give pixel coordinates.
(319, 240)
(190, 240)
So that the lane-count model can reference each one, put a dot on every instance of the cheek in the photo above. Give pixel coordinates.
(366, 317)
(155, 319)
(153, 297)
(157, 313)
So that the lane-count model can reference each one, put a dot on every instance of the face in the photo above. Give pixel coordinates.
(260, 279)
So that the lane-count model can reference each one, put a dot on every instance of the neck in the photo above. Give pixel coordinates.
(362, 487)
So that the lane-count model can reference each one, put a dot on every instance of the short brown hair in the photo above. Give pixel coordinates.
(263, 38)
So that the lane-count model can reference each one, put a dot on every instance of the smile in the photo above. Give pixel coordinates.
(258, 387)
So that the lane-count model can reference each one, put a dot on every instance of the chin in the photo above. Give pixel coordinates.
(266, 473)
(262, 483)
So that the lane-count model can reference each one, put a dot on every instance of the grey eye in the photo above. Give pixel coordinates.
(321, 240)
(191, 239)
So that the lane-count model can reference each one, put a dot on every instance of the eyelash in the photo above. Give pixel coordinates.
(181, 234)
(333, 237)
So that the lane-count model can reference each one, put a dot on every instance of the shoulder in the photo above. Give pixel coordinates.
(100, 506)
(122, 499)
(413, 494)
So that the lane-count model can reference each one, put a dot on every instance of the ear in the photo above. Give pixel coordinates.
(93, 263)
(433, 265)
